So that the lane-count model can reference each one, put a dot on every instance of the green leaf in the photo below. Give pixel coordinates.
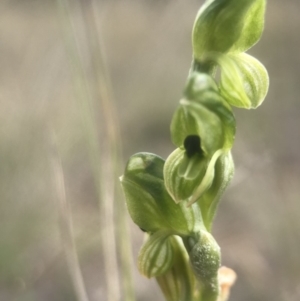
(244, 80)
(204, 113)
(156, 255)
(226, 25)
(149, 204)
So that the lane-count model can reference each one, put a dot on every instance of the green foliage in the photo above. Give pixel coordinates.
(148, 202)
(179, 197)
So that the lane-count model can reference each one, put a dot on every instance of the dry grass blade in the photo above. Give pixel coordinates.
(100, 156)
(104, 92)
(66, 224)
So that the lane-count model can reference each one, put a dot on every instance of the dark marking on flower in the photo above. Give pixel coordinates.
(192, 145)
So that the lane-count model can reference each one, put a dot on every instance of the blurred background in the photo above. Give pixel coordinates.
(147, 51)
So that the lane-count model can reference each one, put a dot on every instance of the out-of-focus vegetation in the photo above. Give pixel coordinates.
(148, 50)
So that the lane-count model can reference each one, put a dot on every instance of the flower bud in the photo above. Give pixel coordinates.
(205, 260)
(177, 284)
(244, 80)
(149, 204)
(227, 25)
(156, 255)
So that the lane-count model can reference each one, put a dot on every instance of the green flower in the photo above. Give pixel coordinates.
(244, 80)
(183, 174)
(199, 179)
(203, 113)
(227, 26)
(203, 129)
(178, 283)
(156, 255)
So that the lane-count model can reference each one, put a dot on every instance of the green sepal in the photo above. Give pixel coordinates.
(208, 178)
(244, 80)
(205, 258)
(183, 175)
(204, 113)
(227, 25)
(203, 182)
(148, 202)
(156, 255)
(178, 283)
(208, 202)
(253, 27)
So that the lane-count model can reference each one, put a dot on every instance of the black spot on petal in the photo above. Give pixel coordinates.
(192, 145)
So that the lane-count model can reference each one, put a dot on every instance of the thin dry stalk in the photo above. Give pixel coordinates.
(66, 224)
(100, 158)
(104, 93)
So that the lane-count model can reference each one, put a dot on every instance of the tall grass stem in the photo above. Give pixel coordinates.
(104, 92)
(66, 222)
(100, 159)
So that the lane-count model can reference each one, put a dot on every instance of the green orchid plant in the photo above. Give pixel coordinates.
(174, 201)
